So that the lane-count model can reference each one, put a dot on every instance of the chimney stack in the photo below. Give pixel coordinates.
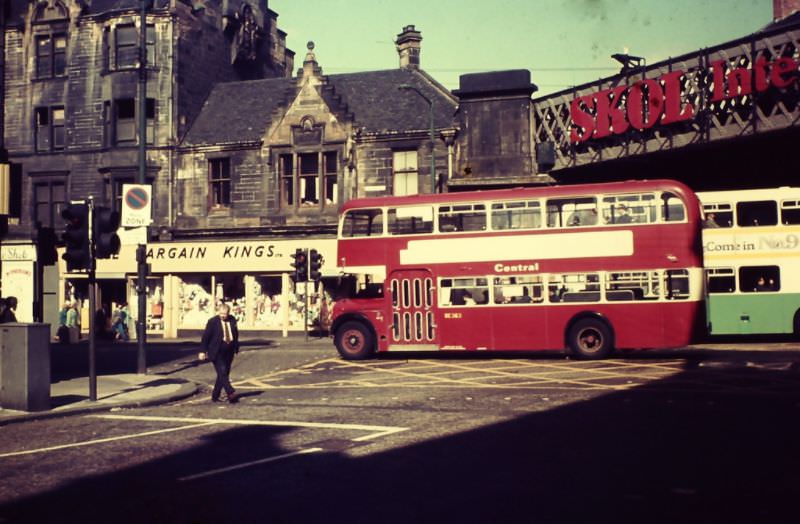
(783, 8)
(408, 47)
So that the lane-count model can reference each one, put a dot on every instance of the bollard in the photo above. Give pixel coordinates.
(25, 366)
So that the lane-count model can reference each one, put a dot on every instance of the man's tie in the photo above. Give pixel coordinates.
(226, 330)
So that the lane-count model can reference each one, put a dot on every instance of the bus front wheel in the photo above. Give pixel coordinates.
(590, 338)
(354, 341)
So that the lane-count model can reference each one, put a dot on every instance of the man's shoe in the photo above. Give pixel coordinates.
(215, 399)
(233, 398)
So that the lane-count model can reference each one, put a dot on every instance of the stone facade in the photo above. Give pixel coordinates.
(71, 91)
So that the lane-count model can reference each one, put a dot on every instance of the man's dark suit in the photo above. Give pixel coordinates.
(220, 353)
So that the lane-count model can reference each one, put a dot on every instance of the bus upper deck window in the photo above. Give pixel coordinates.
(790, 212)
(717, 215)
(362, 223)
(753, 214)
(412, 220)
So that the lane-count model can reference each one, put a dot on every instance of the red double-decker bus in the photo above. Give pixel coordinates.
(587, 267)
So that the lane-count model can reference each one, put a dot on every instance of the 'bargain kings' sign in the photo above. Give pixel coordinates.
(659, 100)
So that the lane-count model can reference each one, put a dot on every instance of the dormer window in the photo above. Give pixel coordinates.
(50, 39)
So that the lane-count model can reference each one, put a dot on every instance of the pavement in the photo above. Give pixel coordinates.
(70, 397)
(69, 389)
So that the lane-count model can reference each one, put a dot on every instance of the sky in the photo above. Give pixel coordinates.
(562, 42)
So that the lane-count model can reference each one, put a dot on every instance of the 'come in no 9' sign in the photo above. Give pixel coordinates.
(136, 205)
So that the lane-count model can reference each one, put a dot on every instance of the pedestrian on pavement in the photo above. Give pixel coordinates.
(220, 342)
(71, 316)
(7, 315)
(119, 324)
(63, 328)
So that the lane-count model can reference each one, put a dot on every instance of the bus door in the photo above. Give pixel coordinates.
(413, 323)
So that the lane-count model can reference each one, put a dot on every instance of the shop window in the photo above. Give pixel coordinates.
(49, 198)
(51, 58)
(196, 301)
(405, 173)
(219, 180)
(49, 128)
(753, 214)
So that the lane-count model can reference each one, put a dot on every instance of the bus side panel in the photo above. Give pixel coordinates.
(523, 327)
(466, 328)
(743, 314)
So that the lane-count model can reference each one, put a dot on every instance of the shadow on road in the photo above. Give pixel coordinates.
(663, 452)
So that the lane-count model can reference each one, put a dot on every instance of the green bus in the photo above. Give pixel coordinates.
(751, 251)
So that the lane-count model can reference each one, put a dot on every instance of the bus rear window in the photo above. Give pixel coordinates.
(362, 223)
(416, 220)
(752, 214)
(673, 210)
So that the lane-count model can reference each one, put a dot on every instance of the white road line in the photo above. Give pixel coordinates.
(377, 431)
(103, 440)
(247, 464)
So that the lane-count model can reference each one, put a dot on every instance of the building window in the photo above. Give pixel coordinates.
(287, 180)
(309, 179)
(126, 45)
(51, 55)
(49, 128)
(331, 177)
(49, 199)
(405, 173)
(219, 181)
(125, 122)
(315, 181)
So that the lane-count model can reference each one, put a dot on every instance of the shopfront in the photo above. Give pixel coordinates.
(187, 279)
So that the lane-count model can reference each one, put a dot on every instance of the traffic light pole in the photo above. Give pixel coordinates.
(141, 284)
(92, 312)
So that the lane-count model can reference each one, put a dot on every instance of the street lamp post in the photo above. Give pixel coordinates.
(407, 87)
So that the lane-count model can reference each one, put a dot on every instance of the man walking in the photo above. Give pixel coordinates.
(220, 342)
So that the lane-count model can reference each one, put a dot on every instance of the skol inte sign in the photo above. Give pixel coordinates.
(659, 101)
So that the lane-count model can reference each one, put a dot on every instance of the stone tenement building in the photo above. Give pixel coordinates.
(71, 90)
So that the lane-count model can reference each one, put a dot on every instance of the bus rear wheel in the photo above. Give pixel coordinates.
(590, 339)
(354, 341)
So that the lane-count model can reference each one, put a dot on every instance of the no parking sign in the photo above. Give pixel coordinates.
(136, 205)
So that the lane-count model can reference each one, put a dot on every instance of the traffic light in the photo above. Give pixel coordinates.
(78, 254)
(104, 232)
(300, 265)
(46, 253)
(315, 262)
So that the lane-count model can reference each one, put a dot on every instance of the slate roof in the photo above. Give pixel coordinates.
(242, 111)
